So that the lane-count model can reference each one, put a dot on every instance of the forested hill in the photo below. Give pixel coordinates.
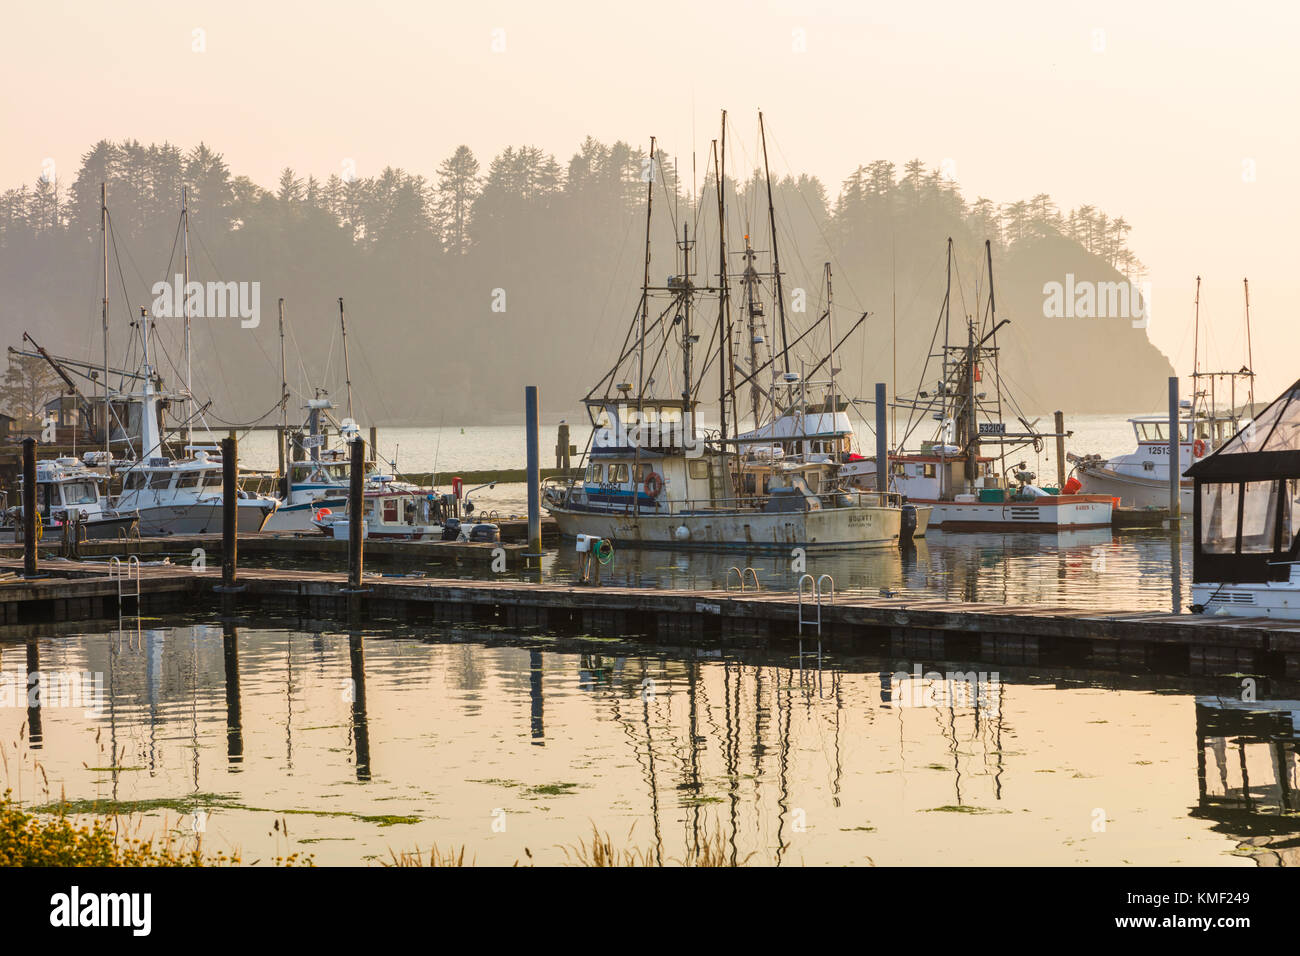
(465, 284)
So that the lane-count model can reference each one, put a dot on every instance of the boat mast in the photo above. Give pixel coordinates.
(347, 367)
(751, 312)
(1250, 355)
(726, 367)
(1196, 347)
(103, 231)
(645, 308)
(686, 318)
(776, 258)
(830, 332)
(185, 292)
(284, 391)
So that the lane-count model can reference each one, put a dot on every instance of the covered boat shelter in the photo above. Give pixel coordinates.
(1246, 500)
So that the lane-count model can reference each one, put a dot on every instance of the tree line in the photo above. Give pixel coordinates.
(466, 283)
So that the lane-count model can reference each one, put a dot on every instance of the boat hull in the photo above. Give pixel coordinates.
(1045, 513)
(201, 518)
(299, 517)
(1132, 491)
(1264, 599)
(831, 529)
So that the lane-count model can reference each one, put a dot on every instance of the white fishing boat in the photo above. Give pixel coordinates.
(1140, 478)
(406, 514)
(653, 478)
(1246, 517)
(965, 488)
(68, 491)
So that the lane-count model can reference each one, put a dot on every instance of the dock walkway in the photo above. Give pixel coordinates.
(915, 628)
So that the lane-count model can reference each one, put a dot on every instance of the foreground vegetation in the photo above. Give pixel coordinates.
(30, 840)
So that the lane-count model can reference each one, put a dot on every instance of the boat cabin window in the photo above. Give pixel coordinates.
(594, 473)
(1243, 517)
(190, 479)
(900, 468)
(80, 493)
(390, 511)
(1158, 431)
(618, 473)
(641, 471)
(930, 471)
(160, 479)
(137, 479)
(698, 467)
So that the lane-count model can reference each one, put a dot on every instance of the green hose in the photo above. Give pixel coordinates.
(605, 551)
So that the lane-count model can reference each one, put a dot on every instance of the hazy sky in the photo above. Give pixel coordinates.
(1181, 116)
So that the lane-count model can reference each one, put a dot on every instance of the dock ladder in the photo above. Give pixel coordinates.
(817, 594)
(742, 575)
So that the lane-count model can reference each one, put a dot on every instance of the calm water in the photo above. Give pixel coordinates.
(514, 744)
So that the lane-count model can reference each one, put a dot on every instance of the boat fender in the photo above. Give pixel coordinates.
(654, 484)
(323, 513)
(1198, 449)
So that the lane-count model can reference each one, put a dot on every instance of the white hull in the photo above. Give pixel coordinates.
(829, 529)
(1132, 491)
(1280, 599)
(298, 517)
(204, 518)
(1046, 513)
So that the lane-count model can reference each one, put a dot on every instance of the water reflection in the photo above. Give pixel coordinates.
(1251, 790)
(1135, 570)
(785, 754)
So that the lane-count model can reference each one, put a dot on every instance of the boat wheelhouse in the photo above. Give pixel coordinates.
(67, 490)
(1246, 513)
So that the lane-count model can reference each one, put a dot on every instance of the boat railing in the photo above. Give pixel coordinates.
(756, 503)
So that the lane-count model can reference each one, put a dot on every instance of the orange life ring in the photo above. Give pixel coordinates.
(1198, 449)
(654, 484)
(323, 513)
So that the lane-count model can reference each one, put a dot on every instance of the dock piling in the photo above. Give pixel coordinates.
(532, 417)
(356, 512)
(1175, 460)
(229, 511)
(29, 507)
(1060, 452)
(882, 439)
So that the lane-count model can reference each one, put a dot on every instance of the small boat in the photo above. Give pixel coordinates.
(68, 490)
(406, 514)
(1246, 518)
(1140, 479)
(966, 488)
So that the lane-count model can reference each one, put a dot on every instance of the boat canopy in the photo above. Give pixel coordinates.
(1247, 499)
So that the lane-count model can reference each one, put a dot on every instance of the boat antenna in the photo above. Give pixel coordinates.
(776, 258)
(347, 367)
(830, 339)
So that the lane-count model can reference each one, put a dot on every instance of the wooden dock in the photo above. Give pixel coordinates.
(912, 628)
(304, 546)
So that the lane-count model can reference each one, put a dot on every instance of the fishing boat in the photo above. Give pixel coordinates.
(967, 487)
(1140, 478)
(407, 513)
(653, 477)
(1246, 518)
(69, 491)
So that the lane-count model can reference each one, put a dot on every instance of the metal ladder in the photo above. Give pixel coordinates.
(117, 572)
(741, 574)
(817, 593)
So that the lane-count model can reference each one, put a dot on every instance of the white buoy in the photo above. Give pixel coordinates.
(682, 532)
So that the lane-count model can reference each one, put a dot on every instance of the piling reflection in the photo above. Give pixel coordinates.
(1247, 775)
(775, 754)
(35, 735)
